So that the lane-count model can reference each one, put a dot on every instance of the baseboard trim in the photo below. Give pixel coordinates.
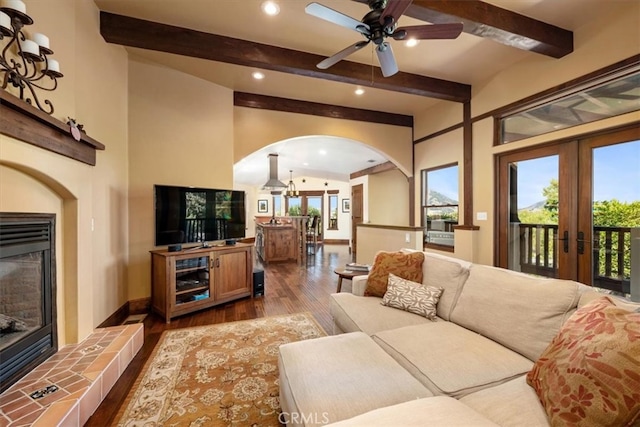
(117, 317)
(140, 306)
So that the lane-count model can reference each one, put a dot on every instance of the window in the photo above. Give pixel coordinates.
(277, 205)
(333, 212)
(294, 206)
(440, 205)
(593, 101)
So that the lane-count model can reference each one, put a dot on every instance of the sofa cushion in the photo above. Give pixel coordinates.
(338, 377)
(445, 272)
(519, 311)
(451, 360)
(412, 297)
(512, 404)
(448, 273)
(590, 373)
(438, 411)
(351, 313)
(405, 265)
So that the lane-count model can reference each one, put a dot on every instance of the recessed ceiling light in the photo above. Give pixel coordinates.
(411, 42)
(257, 75)
(359, 91)
(305, 164)
(271, 8)
(323, 152)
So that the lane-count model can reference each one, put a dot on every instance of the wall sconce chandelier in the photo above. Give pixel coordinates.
(25, 62)
(291, 188)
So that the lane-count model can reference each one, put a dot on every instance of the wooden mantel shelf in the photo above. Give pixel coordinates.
(23, 121)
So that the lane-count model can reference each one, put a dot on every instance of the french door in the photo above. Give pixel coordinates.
(308, 203)
(568, 210)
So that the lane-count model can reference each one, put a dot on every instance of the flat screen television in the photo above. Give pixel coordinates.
(197, 215)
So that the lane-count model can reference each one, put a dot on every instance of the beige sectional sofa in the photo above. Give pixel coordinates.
(388, 367)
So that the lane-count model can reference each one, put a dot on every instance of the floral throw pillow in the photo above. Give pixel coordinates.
(405, 265)
(412, 297)
(590, 372)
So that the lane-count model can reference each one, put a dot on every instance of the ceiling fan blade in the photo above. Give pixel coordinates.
(423, 32)
(393, 11)
(328, 14)
(342, 54)
(387, 60)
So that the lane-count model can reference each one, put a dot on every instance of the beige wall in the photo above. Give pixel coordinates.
(255, 129)
(606, 40)
(91, 281)
(180, 134)
(389, 198)
(372, 239)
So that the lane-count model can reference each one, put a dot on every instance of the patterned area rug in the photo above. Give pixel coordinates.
(217, 375)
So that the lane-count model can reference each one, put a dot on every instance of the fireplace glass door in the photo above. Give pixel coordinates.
(27, 303)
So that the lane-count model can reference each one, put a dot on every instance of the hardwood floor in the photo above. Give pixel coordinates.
(289, 288)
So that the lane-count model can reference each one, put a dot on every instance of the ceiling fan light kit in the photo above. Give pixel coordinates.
(378, 24)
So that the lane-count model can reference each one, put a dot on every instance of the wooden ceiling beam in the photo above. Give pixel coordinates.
(143, 34)
(250, 100)
(495, 23)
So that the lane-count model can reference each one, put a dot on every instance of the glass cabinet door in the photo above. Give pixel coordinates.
(193, 282)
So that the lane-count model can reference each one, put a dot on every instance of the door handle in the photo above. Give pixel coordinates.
(565, 242)
(581, 242)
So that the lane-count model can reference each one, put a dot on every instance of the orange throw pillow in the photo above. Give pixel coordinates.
(405, 265)
(590, 372)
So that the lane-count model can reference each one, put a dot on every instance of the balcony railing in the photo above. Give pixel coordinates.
(198, 231)
(538, 254)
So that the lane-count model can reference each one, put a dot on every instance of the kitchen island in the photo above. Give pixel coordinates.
(283, 241)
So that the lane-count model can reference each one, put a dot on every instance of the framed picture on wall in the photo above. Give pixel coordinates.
(346, 205)
(263, 206)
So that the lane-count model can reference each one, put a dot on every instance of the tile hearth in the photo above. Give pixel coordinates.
(68, 387)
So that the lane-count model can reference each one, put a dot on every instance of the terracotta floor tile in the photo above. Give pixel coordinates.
(10, 396)
(36, 386)
(125, 356)
(48, 365)
(101, 362)
(138, 340)
(90, 401)
(28, 419)
(70, 379)
(110, 375)
(57, 370)
(16, 404)
(92, 376)
(103, 356)
(22, 411)
(77, 395)
(53, 397)
(66, 363)
(56, 413)
(118, 343)
(82, 383)
(79, 367)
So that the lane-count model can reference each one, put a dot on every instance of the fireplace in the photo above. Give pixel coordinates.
(27, 293)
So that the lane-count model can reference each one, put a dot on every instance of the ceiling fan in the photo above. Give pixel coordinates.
(378, 24)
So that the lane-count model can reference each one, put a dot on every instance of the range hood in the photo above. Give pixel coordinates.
(273, 183)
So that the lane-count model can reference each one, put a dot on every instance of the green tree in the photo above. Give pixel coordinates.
(550, 194)
(614, 213)
(196, 203)
(538, 216)
(295, 210)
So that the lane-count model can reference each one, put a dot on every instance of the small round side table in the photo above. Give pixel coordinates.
(347, 274)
